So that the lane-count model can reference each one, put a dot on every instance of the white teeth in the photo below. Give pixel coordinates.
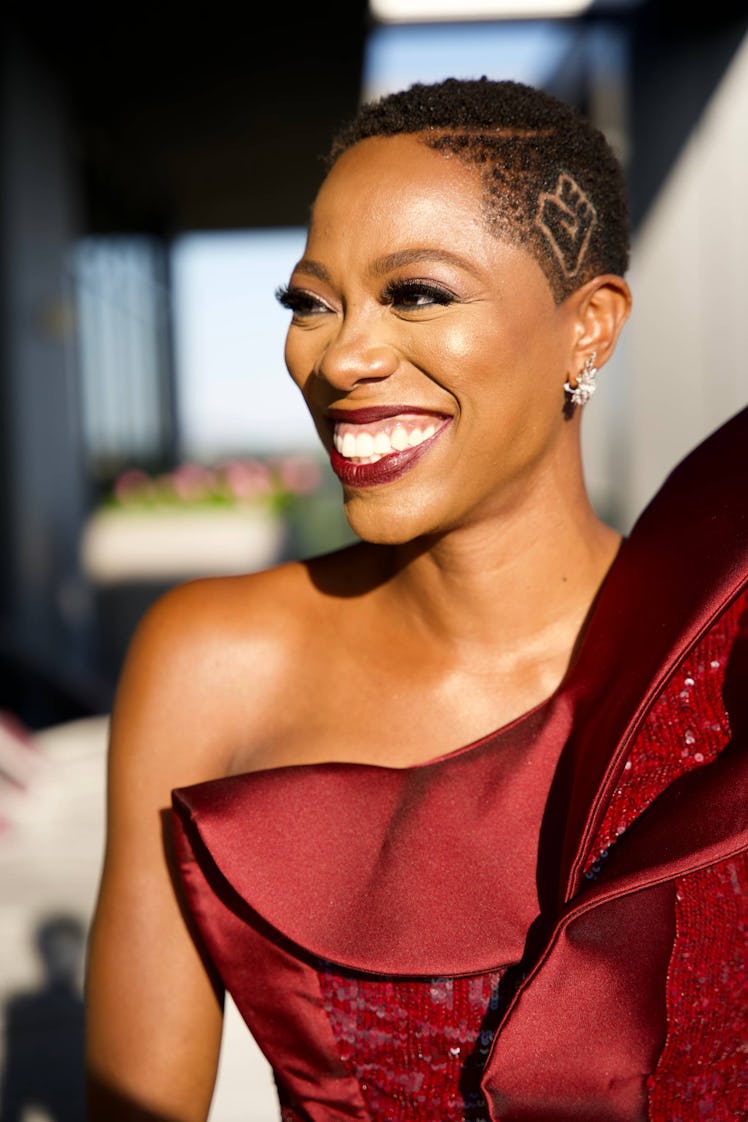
(357, 443)
(364, 445)
(399, 439)
(348, 447)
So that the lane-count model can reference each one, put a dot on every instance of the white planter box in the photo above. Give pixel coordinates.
(163, 544)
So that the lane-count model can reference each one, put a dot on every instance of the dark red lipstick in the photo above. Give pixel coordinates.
(380, 413)
(390, 467)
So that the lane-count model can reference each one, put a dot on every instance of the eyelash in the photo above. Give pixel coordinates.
(299, 302)
(398, 293)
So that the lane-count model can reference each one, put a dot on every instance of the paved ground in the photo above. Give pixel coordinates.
(51, 835)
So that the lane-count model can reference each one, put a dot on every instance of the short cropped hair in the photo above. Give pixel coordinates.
(552, 183)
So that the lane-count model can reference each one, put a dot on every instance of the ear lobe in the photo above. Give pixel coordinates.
(602, 308)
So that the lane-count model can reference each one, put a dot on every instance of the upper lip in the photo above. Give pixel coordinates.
(373, 413)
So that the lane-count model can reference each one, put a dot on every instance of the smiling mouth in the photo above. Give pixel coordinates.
(370, 441)
(380, 444)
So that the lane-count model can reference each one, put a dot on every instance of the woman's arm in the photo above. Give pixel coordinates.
(153, 1010)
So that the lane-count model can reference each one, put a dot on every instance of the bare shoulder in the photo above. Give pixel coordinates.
(216, 664)
(205, 628)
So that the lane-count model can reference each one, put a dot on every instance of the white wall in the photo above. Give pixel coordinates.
(682, 369)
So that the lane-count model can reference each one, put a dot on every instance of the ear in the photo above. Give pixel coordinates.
(599, 309)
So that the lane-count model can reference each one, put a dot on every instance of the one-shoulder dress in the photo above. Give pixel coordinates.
(548, 924)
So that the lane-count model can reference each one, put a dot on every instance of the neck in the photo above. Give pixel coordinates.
(520, 582)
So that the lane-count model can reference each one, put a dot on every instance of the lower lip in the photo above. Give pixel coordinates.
(386, 470)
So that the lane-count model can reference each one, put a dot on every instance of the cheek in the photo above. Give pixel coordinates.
(300, 364)
(300, 357)
(462, 357)
(511, 390)
(484, 338)
(480, 364)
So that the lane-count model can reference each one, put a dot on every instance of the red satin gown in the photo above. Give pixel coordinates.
(548, 924)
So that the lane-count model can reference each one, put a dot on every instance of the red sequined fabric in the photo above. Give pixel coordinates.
(417, 1048)
(703, 1070)
(686, 728)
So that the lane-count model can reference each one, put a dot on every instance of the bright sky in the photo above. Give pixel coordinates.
(525, 51)
(234, 390)
(235, 394)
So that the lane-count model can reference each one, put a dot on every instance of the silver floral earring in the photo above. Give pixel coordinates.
(586, 385)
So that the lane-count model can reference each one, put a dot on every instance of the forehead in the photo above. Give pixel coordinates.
(387, 199)
(398, 182)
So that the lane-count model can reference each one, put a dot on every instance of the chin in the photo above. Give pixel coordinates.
(387, 523)
(376, 532)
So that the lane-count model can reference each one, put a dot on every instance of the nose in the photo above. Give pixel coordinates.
(356, 355)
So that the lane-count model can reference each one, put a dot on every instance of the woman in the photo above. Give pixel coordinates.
(459, 810)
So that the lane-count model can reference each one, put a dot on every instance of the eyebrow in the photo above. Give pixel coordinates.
(390, 261)
(383, 265)
(312, 268)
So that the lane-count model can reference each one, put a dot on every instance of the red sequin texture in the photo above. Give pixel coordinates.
(416, 1047)
(703, 1070)
(686, 728)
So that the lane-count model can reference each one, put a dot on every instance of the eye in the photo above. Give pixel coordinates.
(303, 304)
(413, 294)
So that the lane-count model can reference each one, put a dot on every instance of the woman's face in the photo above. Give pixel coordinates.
(431, 354)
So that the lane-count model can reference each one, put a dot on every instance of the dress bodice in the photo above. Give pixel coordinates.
(410, 929)
(388, 932)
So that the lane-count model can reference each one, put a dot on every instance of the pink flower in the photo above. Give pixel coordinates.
(299, 474)
(132, 486)
(247, 479)
(191, 482)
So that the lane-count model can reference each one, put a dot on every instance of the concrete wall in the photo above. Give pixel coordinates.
(682, 366)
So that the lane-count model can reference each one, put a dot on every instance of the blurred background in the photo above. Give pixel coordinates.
(157, 168)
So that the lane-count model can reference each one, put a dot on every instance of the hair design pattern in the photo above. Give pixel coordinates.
(567, 218)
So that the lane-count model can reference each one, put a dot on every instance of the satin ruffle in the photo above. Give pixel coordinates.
(413, 892)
